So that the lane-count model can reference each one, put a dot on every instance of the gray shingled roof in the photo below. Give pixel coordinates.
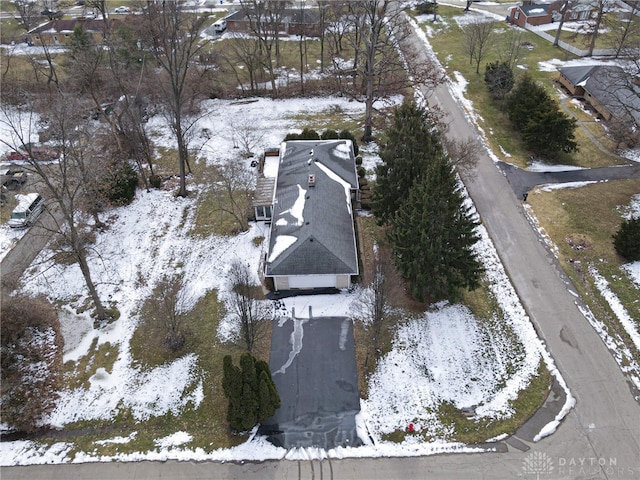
(319, 218)
(609, 85)
(577, 75)
(89, 25)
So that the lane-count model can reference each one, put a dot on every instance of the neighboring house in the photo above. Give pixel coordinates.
(303, 21)
(607, 89)
(58, 32)
(312, 242)
(534, 14)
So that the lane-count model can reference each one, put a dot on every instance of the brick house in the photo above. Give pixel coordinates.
(291, 22)
(58, 32)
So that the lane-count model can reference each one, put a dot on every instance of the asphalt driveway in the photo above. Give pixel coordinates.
(314, 368)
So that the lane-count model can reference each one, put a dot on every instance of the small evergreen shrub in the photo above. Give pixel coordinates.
(627, 239)
(329, 134)
(361, 172)
(346, 134)
(309, 134)
(358, 160)
(120, 188)
(155, 181)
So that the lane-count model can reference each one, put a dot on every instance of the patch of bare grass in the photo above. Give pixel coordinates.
(581, 222)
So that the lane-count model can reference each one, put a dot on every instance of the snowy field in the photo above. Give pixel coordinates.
(157, 224)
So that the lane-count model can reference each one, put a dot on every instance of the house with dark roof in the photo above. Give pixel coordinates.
(58, 32)
(608, 89)
(534, 14)
(290, 21)
(312, 242)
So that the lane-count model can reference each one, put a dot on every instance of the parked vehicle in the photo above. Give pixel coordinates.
(30, 206)
(220, 26)
(14, 156)
(121, 9)
(13, 179)
(38, 153)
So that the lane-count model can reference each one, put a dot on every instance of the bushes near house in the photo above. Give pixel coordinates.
(329, 134)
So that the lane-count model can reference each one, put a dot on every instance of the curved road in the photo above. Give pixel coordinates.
(599, 438)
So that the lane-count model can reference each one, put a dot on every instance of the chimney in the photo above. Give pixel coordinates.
(312, 180)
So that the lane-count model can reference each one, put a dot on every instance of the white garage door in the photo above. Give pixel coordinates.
(312, 281)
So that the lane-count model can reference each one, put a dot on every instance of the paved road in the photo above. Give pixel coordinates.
(600, 438)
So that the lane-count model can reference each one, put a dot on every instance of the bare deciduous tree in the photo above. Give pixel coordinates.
(172, 33)
(246, 52)
(462, 153)
(265, 21)
(566, 6)
(386, 59)
(372, 306)
(67, 182)
(624, 32)
(233, 186)
(28, 12)
(252, 312)
(246, 135)
(477, 34)
(31, 358)
(168, 309)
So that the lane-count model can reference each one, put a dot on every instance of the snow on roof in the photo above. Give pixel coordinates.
(333, 176)
(24, 200)
(296, 210)
(280, 244)
(319, 217)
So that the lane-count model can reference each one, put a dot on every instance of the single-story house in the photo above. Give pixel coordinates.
(312, 242)
(58, 32)
(291, 21)
(608, 89)
(535, 14)
(531, 14)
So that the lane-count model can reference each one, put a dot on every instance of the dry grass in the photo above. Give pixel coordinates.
(581, 222)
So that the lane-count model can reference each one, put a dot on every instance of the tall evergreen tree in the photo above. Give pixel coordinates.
(412, 141)
(232, 388)
(550, 131)
(527, 96)
(545, 129)
(433, 235)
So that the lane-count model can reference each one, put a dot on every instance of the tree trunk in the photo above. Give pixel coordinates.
(565, 6)
(81, 255)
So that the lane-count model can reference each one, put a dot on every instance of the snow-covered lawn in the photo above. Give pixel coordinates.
(445, 355)
(152, 237)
